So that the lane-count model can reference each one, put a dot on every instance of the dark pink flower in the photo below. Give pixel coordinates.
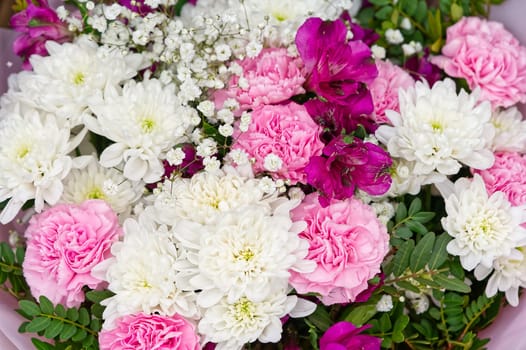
(337, 119)
(137, 6)
(38, 24)
(345, 335)
(338, 70)
(148, 332)
(420, 68)
(346, 166)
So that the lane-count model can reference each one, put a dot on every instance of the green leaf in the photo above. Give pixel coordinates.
(84, 317)
(401, 212)
(422, 252)
(7, 253)
(29, 308)
(68, 331)
(402, 256)
(79, 335)
(421, 11)
(40, 345)
(451, 283)
(408, 286)
(416, 227)
(3, 277)
(401, 323)
(88, 341)
(361, 314)
(53, 329)
(385, 323)
(97, 296)
(95, 325)
(72, 314)
(38, 324)
(60, 311)
(439, 254)
(20, 255)
(46, 305)
(415, 206)
(423, 216)
(320, 318)
(380, 2)
(384, 13)
(409, 6)
(404, 232)
(456, 12)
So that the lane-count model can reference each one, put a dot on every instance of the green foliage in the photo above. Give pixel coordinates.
(11, 277)
(72, 328)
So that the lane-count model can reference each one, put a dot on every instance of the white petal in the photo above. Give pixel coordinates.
(112, 155)
(135, 168)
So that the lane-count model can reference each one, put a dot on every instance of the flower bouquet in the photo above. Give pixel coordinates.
(243, 174)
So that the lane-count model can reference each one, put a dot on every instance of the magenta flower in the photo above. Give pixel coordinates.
(420, 68)
(347, 166)
(337, 119)
(137, 6)
(345, 335)
(38, 24)
(337, 70)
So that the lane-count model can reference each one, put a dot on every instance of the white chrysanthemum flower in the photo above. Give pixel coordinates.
(142, 274)
(439, 129)
(231, 324)
(145, 121)
(34, 159)
(484, 227)
(509, 274)
(510, 131)
(97, 182)
(246, 252)
(204, 196)
(64, 82)
(406, 180)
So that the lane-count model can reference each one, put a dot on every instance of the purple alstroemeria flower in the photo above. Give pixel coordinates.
(337, 119)
(420, 67)
(38, 23)
(345, 335)
(337, 70)
(345, 166)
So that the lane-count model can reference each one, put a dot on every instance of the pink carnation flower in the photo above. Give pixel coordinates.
(488, 57)
(287, 131)
(272, 77)
(347, 242)
(64, 243)
(384, 89)
(508, 175)
(150, 332)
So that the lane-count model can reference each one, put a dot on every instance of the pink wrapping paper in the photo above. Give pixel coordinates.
(505, 333)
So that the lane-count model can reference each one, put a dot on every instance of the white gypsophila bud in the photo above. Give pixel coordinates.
(206, 148)
(98, 23)
(222, 52)
(187, 52)
(253, 49)
(408, 49)
(152, 3)
(62, 13)
(175, 156)
(385, 304)
(420, 304)
(207, 108)
(226, 130)
(378, 52)
(226, 115)
(296, 193)
(272, 162)
(238, 156)
(394, 36)
(406, 24)
(235, 68)
(140, 37)
(267, 185)
(116, 34)
(90, 5)
(211, 164)
(74, 24)
(231, 104)
(14, 238)
(243, 83)
(384, 210)
(111, 12)
(166, 77)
